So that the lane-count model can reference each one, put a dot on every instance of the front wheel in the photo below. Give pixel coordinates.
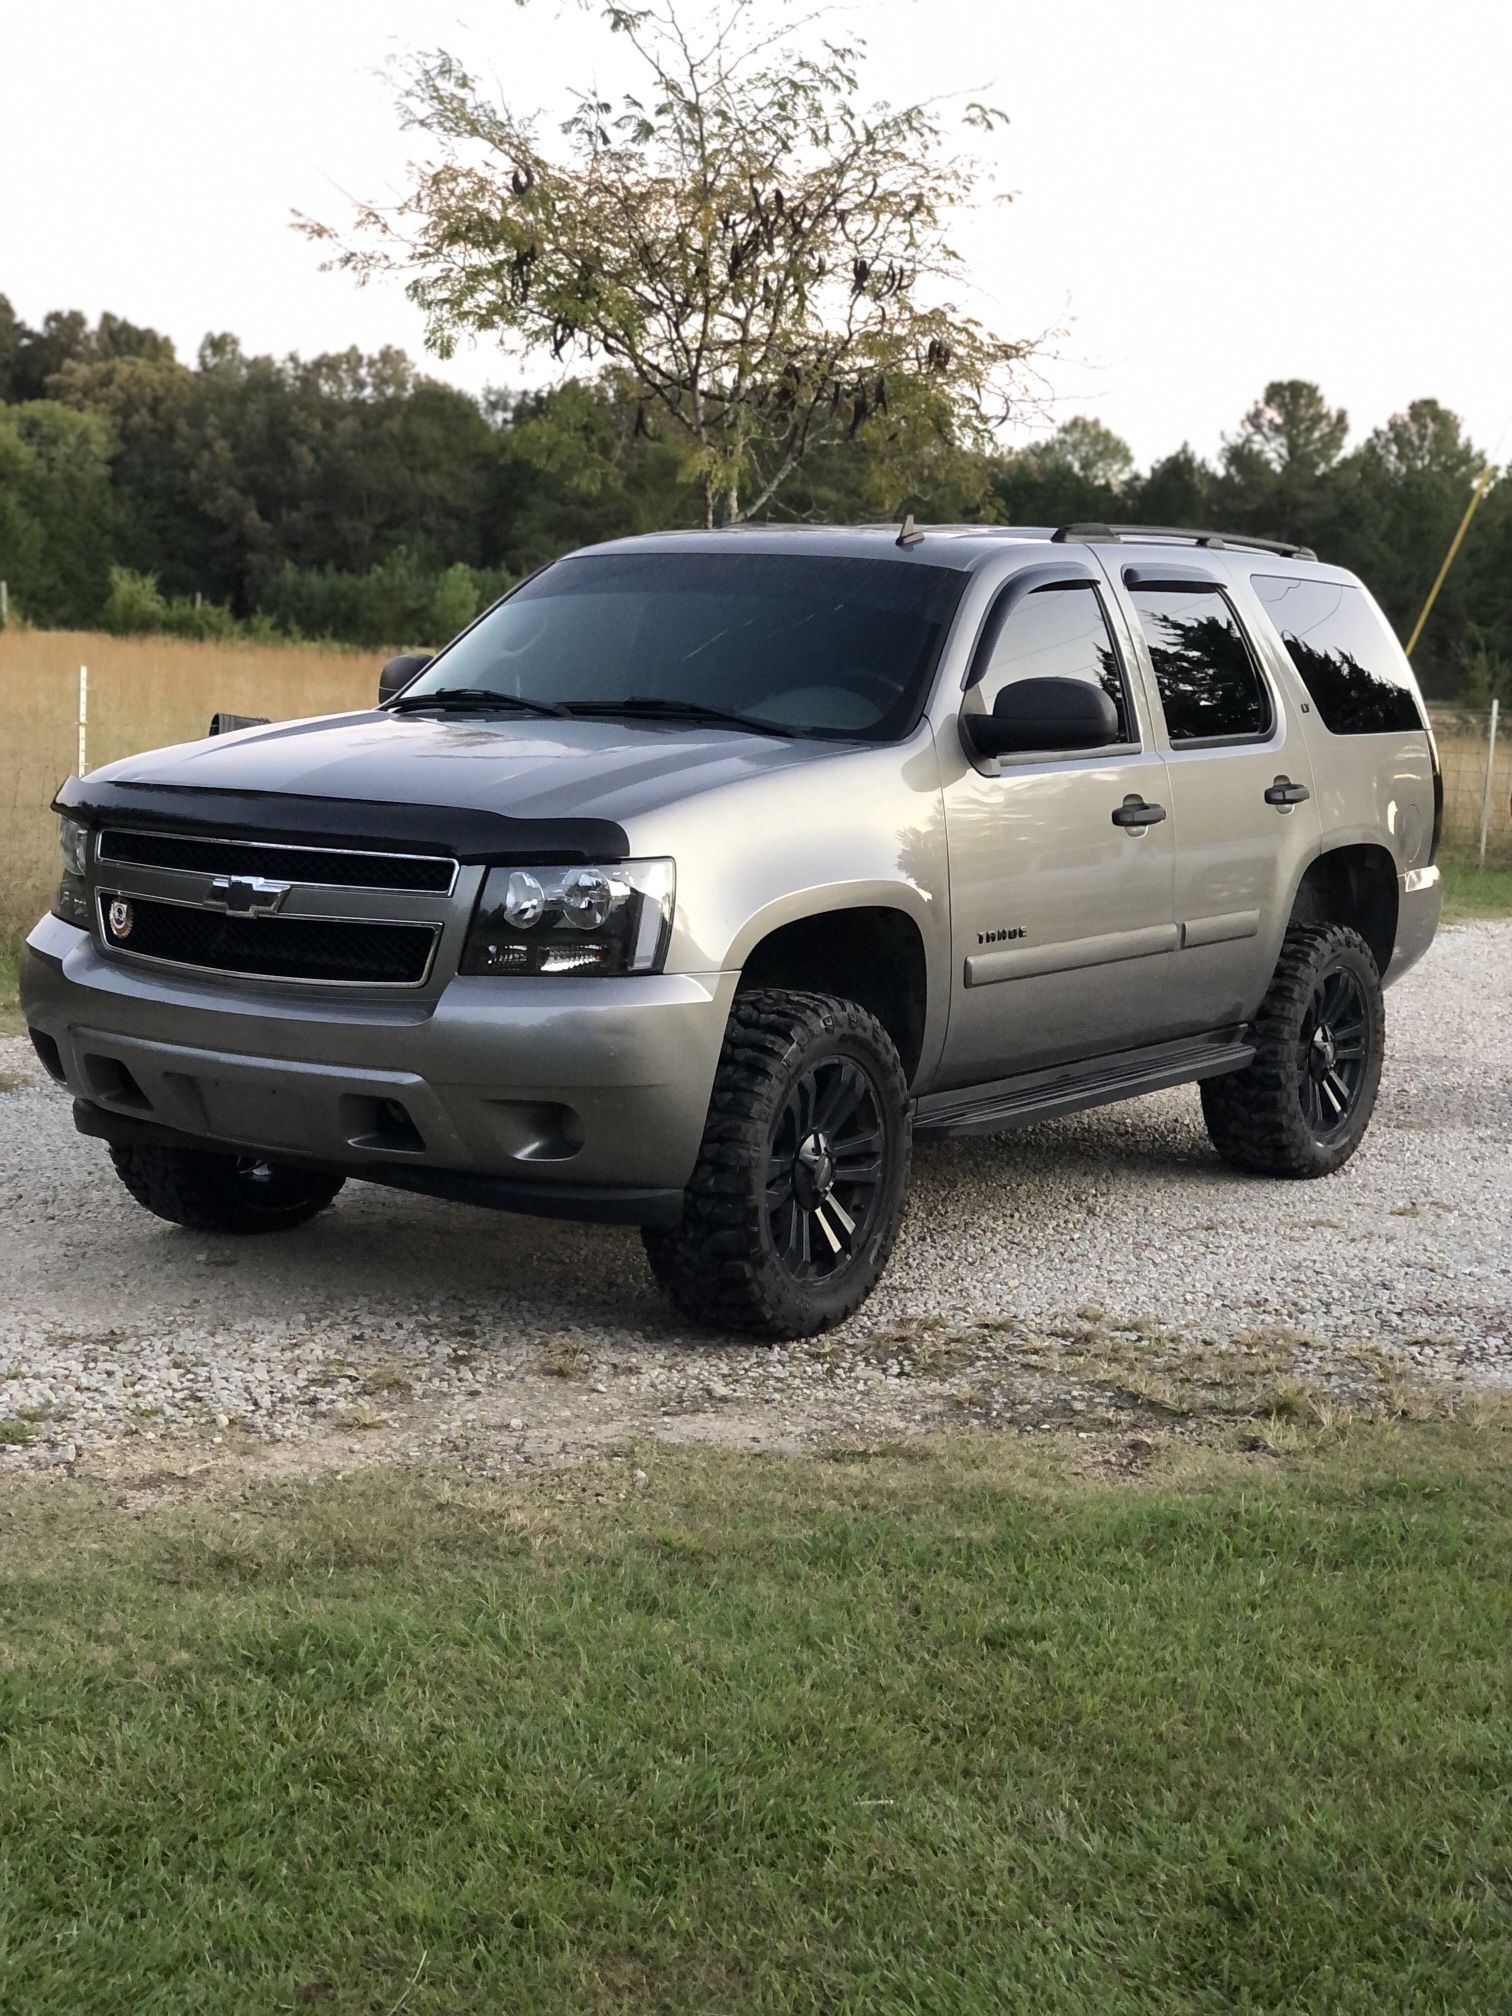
(799, 1188)
(221, 1193)
(1302, 1106)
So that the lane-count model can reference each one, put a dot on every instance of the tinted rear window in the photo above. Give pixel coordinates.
(1210, 689)
(1349, 661)
(823, 645)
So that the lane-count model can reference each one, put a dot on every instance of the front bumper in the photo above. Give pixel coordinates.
(594, 1090)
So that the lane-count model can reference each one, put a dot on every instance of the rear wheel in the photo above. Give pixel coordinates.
(221, 1193)
(1302, 1106)
(799, 1188)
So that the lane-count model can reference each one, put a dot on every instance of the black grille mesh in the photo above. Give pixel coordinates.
(286, 864)
(273, 948)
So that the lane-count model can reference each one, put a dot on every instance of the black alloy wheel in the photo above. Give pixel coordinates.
(1333, 1052)
(1303, 1103)
(824, 1169)
(798, 1192)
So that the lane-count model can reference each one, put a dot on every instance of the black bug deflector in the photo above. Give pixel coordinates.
(465, 833)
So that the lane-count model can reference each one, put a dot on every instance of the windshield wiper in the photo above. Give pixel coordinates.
(469, 698)
(680, 710)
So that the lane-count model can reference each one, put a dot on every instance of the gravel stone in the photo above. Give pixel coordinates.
(446, 1334)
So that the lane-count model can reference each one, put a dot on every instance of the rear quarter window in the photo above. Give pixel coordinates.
(1348, 660)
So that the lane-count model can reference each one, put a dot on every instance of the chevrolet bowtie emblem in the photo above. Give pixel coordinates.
(247, 895)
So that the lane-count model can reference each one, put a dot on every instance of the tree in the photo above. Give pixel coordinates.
(1425, 440)
(1081, 471)
(1286, 475)
(55, 511)
(1292, 430)
(12, 330)
(577, 466)
(1177, 490)
(148, 403)
(226, 472)
(1413, 479)
(763, 257)
(31, 359)
(1090, 452)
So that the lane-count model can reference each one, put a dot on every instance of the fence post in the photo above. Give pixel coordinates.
(1490, 777)
(83, 719)
(4, 604)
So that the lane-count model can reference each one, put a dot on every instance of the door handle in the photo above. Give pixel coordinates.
(1283, 793)
(1136, 813)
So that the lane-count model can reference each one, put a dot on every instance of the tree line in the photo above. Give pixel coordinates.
(354, 498)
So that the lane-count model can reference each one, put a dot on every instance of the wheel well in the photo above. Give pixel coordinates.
(1355, 886)
(873, 957)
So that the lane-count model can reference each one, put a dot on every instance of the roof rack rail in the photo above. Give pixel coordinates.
(1096, 535)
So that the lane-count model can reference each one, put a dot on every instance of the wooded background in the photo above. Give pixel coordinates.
(356, 499)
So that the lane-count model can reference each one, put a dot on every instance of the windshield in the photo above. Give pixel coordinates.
(806, 644)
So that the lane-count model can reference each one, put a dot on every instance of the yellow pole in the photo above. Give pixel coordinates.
(1454, 545)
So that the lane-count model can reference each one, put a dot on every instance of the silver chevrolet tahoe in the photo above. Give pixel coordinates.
(706, 872)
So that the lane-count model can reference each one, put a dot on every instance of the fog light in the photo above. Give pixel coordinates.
(505, 958)
(573, 958)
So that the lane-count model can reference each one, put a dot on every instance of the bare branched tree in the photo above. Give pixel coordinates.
(760, 256)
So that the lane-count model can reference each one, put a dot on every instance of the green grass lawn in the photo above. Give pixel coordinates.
(951, 1731)
(1471, 892)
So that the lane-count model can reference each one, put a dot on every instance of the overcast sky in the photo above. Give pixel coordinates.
(1208, 195)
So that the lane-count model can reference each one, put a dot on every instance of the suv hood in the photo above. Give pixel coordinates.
(522, 766)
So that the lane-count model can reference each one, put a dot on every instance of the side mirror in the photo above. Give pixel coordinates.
(1034, 716)
(399, 671)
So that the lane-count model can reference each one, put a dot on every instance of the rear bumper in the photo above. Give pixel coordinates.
(1420, 899)
(594, 1087)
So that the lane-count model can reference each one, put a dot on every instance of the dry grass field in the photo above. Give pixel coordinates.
(143, 692)
(148, 691)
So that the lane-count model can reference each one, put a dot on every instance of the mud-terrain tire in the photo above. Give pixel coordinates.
(799, 1188)
(221, 1193)
(1300, 1109)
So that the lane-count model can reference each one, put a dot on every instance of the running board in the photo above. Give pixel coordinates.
(1041, 1095)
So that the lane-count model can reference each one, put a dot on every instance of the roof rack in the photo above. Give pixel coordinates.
(1097, 535)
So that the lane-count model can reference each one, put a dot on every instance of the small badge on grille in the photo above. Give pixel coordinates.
(121, 919)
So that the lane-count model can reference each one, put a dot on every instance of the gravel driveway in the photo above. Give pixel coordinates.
(1104, 1270)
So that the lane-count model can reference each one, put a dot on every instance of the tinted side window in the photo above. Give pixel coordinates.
(1348, 659)
(1209, 684)
(1058, 633)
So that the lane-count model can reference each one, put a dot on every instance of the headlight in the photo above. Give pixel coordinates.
(614, 919)
(72, 900)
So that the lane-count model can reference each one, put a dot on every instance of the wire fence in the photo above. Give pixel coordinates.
(1475, 750)
(140, 693)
